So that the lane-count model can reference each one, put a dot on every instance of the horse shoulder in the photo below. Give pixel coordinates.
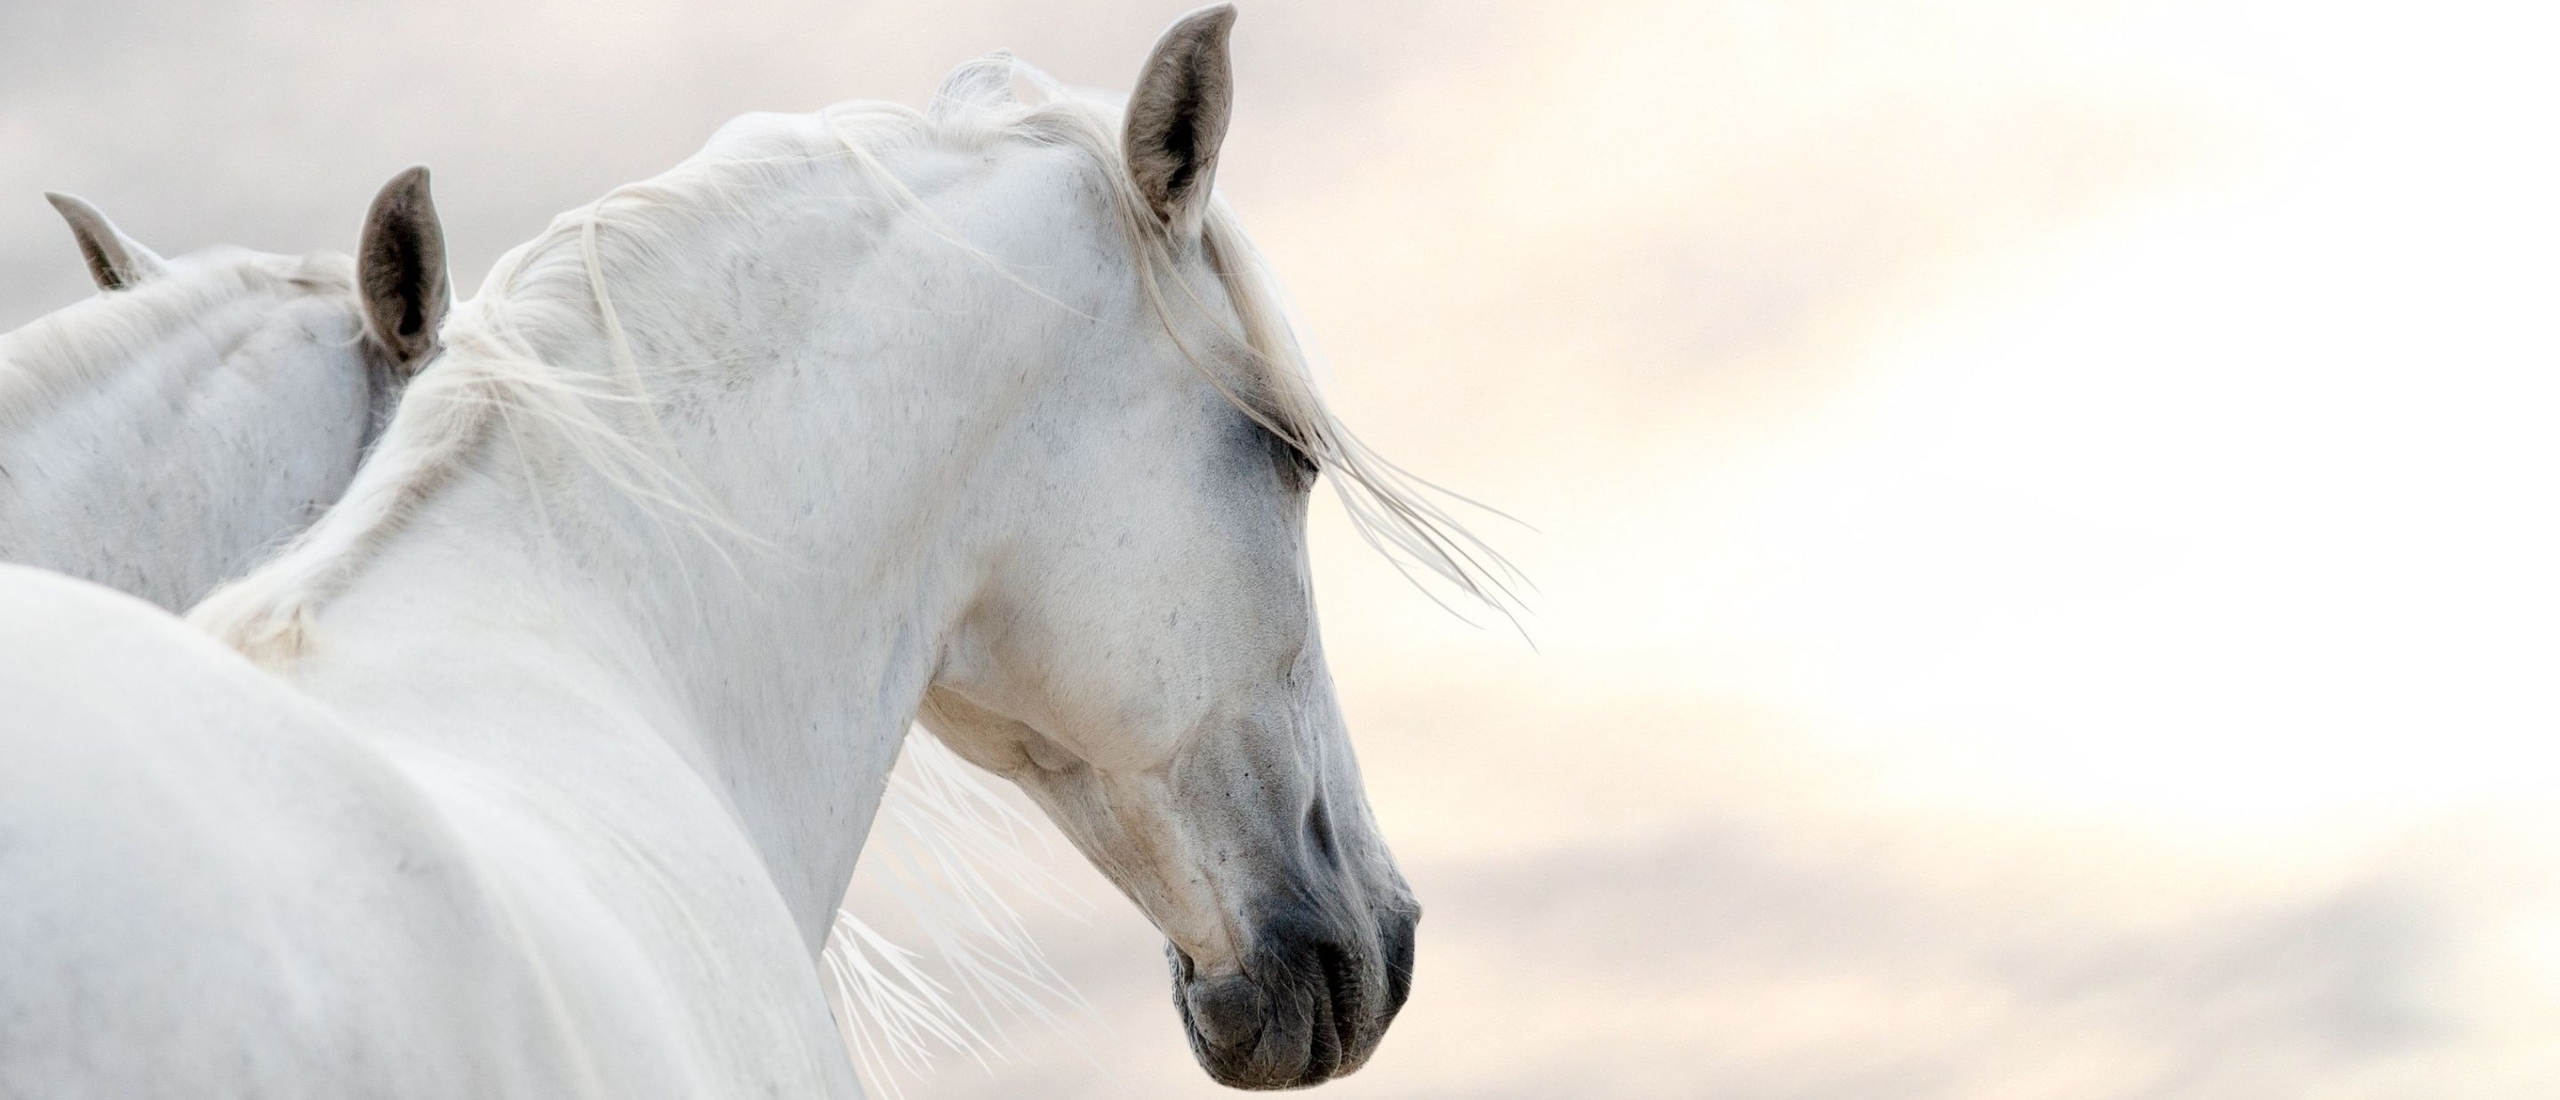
(208, 886)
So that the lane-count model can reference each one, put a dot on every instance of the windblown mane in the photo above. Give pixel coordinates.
(507, 352)
(67, 351)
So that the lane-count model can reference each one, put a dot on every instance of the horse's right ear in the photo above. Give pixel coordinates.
(115, 260)
(400, 269)
(1178, 117)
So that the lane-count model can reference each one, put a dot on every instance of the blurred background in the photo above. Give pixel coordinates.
(2044, 512)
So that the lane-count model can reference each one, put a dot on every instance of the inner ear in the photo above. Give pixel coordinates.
(400, 269)
(1178, 115)
(116, 262)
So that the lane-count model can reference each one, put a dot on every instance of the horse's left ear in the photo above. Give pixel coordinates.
(116, 262)
(1178, 116)
(400, 269)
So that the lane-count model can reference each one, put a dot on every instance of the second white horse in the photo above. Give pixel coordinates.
(162, 437)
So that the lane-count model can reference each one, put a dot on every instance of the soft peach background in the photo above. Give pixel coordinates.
(2045, 511)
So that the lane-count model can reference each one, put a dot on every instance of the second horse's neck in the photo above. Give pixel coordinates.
(164, 470)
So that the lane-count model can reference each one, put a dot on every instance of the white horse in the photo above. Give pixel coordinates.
(169, 437)
(554, 743)
(161, 437)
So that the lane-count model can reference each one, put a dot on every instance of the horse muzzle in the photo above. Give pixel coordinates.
(1314, 998)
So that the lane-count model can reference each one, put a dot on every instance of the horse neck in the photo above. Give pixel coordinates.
(776, 672)
(159, 454)
(857, 456)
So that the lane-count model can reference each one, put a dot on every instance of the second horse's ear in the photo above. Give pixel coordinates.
(400, 269)
(116, 262)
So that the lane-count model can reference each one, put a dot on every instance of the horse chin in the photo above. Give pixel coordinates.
(1307, 1009)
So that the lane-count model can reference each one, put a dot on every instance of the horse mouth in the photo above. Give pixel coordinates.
(1336, 1028)
(1301, 1024)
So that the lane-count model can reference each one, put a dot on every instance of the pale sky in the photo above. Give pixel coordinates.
(2044, 512)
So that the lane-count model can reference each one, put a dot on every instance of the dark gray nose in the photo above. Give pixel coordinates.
(1314, 1000)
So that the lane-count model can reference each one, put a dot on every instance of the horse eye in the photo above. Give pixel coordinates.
(1297, 470)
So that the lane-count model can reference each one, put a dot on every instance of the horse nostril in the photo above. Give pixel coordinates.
(1320, 833)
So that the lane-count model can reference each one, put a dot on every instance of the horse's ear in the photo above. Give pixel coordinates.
(400, 269)
(1178, 116)
(982, 82)
(115, 260)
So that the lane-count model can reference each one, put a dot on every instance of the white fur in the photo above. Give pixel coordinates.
(161, 439)
(555, 744)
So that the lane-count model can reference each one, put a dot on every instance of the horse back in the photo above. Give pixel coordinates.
(210, 887)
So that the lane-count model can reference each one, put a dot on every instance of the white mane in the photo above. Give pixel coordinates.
(506, 347)
(63, 352)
